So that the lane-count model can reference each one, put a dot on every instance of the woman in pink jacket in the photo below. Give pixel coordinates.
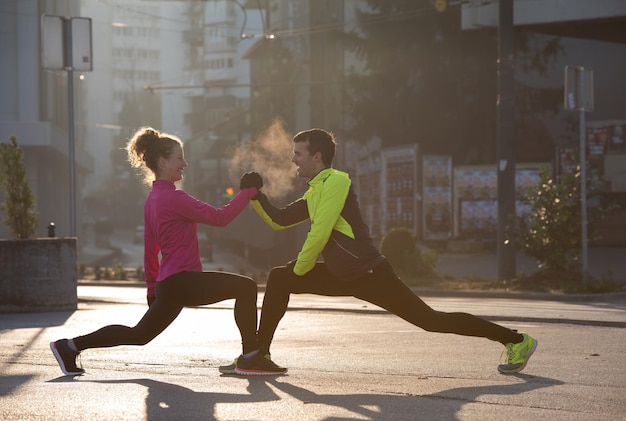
(176, 281)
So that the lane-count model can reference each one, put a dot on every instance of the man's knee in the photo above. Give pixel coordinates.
(279, 277)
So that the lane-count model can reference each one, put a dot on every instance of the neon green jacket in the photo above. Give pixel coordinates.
(337, 231)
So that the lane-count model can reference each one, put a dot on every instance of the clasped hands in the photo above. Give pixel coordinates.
(251, 179)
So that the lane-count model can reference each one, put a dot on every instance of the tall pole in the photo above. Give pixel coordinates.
(579, 97)
(505, 153)
(70, 122)
(57, 34)
(583, 191)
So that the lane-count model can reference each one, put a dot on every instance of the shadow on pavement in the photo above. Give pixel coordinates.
(449, 402)
(32, 342)
(12, 321)
(171, 401)
(9, 384)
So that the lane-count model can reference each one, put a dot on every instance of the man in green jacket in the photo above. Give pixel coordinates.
(352, 265)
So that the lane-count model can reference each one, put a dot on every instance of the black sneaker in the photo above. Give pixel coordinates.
(66, 358)
(258, 365)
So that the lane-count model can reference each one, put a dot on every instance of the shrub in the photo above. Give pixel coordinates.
(19, 202)
(140, 273)
(551, 232)
(399, 246)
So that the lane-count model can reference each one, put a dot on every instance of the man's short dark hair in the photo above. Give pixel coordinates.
(319, 141)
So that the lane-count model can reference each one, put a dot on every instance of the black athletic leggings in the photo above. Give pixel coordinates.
(383, 288)
(184, 289)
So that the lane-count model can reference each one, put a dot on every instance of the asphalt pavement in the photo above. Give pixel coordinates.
(347, 360)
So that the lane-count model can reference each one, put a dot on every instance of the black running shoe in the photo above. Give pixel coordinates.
(66, 358)
(258, 365)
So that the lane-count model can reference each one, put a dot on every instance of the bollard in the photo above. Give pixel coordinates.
(51, 230)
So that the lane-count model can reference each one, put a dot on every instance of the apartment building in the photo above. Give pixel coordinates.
(34, 107)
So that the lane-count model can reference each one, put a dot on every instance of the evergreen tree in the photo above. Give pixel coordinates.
(429, 82)
(550, 231)
(274, 96)
(19, 202)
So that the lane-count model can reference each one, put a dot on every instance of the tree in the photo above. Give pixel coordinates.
(551, 232)
(19, 202)
(124, 187)
(431, 83)
(273, 96)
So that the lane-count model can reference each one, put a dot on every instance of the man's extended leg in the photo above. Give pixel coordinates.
(386, 290)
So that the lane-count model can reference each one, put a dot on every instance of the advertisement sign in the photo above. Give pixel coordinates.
(401, 182)
(437, 197)
(606, 144)
(368, 190)
(475, 197)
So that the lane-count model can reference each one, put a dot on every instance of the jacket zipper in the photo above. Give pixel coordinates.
(345, 249)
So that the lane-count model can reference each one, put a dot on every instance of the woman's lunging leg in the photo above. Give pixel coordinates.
(213, 287)
(158, 317)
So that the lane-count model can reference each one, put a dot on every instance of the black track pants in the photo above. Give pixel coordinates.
(185, 289)
(383, 288)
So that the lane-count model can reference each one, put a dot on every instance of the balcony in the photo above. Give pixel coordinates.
(194, 36)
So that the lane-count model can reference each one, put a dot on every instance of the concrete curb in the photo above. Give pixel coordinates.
(434, 292)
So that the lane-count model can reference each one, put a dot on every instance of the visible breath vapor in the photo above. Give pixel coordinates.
(269, 155)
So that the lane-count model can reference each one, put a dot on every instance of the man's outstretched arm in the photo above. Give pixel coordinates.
(280, 218)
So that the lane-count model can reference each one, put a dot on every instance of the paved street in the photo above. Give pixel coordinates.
(346, 358)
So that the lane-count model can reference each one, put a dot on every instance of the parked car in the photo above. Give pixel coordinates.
(205, 246)
(138, 238)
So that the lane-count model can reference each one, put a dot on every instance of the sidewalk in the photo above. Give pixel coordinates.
(484, 265)
(603, 262)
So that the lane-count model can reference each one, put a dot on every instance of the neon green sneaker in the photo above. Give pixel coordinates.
(517, 355)
(230, 368)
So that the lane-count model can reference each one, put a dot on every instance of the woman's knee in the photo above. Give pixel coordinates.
(249, 285)
(142, 337)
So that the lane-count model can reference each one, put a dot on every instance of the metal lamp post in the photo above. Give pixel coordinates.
(578, 94)
(66, 45)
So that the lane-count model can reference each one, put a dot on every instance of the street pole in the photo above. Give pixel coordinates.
(59, 51)
(578, 96)
(505, 154)
(583, 192)
(70, 122)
